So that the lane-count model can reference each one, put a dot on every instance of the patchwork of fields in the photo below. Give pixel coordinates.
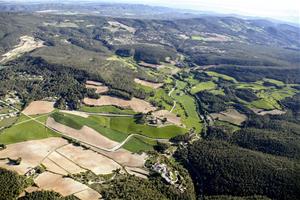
(118, 133)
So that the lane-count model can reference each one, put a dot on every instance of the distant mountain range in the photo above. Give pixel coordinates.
(114, 10)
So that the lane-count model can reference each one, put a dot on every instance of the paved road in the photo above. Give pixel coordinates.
(174, 102)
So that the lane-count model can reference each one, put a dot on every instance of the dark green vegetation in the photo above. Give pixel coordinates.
(131, 187)
(262, 158)
(46, 195)
(11, 184)
(238, 171)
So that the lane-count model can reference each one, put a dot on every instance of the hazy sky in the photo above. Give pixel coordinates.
(285, 9)
(288, 10)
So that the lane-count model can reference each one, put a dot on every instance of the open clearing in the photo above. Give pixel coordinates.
(99, 87)
(88, 159)
(85, 134)
(64, 186)
(31, 152)
(231, 116)
(39, 107)
(171, 117)
(203, 86)
(65, 24)
(148, 83)
(88, 194)
(138, 105)
(27, 44)
(95, 83)
(268, 112)
(117, 26)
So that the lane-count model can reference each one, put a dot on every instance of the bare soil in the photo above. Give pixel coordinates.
(138, 105)
(148, 83)
(171, 117)
(39, 107)
(63, 162)
(57, 183)
(85, 134)
(27, 44)
(31, 152)
(90, 160)
(231, 116)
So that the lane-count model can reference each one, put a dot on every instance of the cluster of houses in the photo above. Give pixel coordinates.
(5, 111)
(9, 114)
(171, 177)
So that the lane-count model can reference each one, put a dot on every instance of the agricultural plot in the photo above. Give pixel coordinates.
(148, 83)
(65, 186)
(186, 107)
(128, 125)
(125, 62)
(98, 123)
(209, 85)
(135, 104)
(39, 107)
(32, 153)
(273, 81)
(222, 76)
(99, 87)
(162, 99)
(138, 144)
(88, 159)
(256, 86)
(26, 129)
(84, 134)
(231, 115)
(107, 109)
(170, 117)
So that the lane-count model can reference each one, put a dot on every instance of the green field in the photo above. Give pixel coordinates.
(118, 128)
(217, 92)
(99, 123)
(28, 130)
(209, 85)
(162, 98)
(106, 109)
(127, 125)
(253, 86)
(8, 122)
(186, 107)
(197, 37)
(222, 76)
(276, 82)
(129, 62)
(138, 144)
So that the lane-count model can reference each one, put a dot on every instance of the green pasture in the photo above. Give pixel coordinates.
(209, 85)
(222, 76)
(27, 130)
(106, 109)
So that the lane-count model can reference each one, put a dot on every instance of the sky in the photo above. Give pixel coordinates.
(286, 10)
